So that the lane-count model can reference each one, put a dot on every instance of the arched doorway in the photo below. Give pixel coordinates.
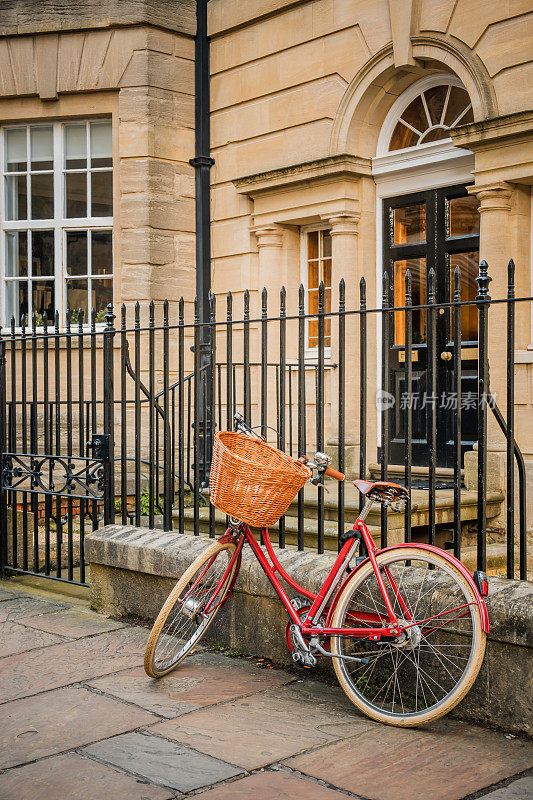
(427, 219)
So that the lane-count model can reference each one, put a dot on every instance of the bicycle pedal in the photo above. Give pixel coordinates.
(303, 659)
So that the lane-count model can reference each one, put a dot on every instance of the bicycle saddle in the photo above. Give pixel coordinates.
(382, 491)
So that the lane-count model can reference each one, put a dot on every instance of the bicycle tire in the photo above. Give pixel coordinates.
(164, 650)
(464, 643)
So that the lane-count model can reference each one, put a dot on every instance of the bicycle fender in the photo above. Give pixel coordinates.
(448, 557)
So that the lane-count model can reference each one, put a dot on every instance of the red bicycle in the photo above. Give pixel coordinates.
(404, 625)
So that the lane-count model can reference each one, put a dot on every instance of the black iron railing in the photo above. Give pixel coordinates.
(157, 391)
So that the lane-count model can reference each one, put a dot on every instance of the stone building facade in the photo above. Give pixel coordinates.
(307, 100)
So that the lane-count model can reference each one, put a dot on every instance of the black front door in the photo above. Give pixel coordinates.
(436, 229)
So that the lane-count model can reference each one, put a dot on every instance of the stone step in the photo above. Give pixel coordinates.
(419, 506)
(496, 552)
(397, 472)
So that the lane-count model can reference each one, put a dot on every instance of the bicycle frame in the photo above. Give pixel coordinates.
(386, 625)
(319, 601)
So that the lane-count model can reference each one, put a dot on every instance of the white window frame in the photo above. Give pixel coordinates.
(311, 353)
(59, 223)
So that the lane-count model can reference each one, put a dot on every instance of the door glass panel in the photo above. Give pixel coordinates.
(409, 224)
(468, 264)
(463, 216)
(417, 268)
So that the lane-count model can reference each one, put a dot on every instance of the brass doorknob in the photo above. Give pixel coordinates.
(446, 355)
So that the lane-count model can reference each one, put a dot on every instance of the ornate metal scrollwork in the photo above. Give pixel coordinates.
(72, 476)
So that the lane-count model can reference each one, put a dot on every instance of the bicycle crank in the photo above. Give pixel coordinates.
(301, 654)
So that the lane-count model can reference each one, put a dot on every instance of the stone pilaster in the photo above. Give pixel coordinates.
(344, 242)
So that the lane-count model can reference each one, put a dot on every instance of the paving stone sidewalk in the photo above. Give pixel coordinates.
(80, 720)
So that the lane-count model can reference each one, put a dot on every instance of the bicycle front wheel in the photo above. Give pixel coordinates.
(431, 667)
(189, 609)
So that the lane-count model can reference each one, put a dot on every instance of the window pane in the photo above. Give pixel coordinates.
(457, 103)
(76, 194)
(417, 268)
(101, 144)
(42, 196)
(102, 294)
(312, 339)
(77, 295)
(464, 216)
(468, 264)
(17, 301)
(42, 148)
(326, 266)
(16, 197)
(101, 253)
(43, 300)
(312, 244)
(326, 245)
(75, 146)
(435, 98)
(101, 194)
(409, 224)
(16, 254)
(15, 149)
(402, 137)
(434, 135)
(77, 253)
(415, 115)
(312, 275)
(42, 253)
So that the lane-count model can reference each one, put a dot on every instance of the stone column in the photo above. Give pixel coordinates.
(344, 240)
(495, 249)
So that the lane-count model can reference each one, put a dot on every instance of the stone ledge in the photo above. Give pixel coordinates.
(133, 569)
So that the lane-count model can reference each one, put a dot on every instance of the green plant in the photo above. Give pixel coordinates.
(145, 503)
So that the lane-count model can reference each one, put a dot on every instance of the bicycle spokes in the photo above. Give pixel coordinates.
(421, 667)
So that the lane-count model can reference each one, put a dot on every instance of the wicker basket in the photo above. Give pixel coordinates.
(252, 481)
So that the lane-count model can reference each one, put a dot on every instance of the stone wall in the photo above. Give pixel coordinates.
(132, 571)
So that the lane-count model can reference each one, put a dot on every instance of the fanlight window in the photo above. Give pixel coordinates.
(430, 116)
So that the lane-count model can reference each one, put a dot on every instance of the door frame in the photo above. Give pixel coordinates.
(430, 166)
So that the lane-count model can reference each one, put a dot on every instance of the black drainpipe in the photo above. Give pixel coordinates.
(202, 163)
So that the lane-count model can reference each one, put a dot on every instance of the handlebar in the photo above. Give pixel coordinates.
(332, 473)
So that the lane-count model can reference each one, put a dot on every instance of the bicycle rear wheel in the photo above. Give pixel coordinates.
(424, 675)
(189, 609)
